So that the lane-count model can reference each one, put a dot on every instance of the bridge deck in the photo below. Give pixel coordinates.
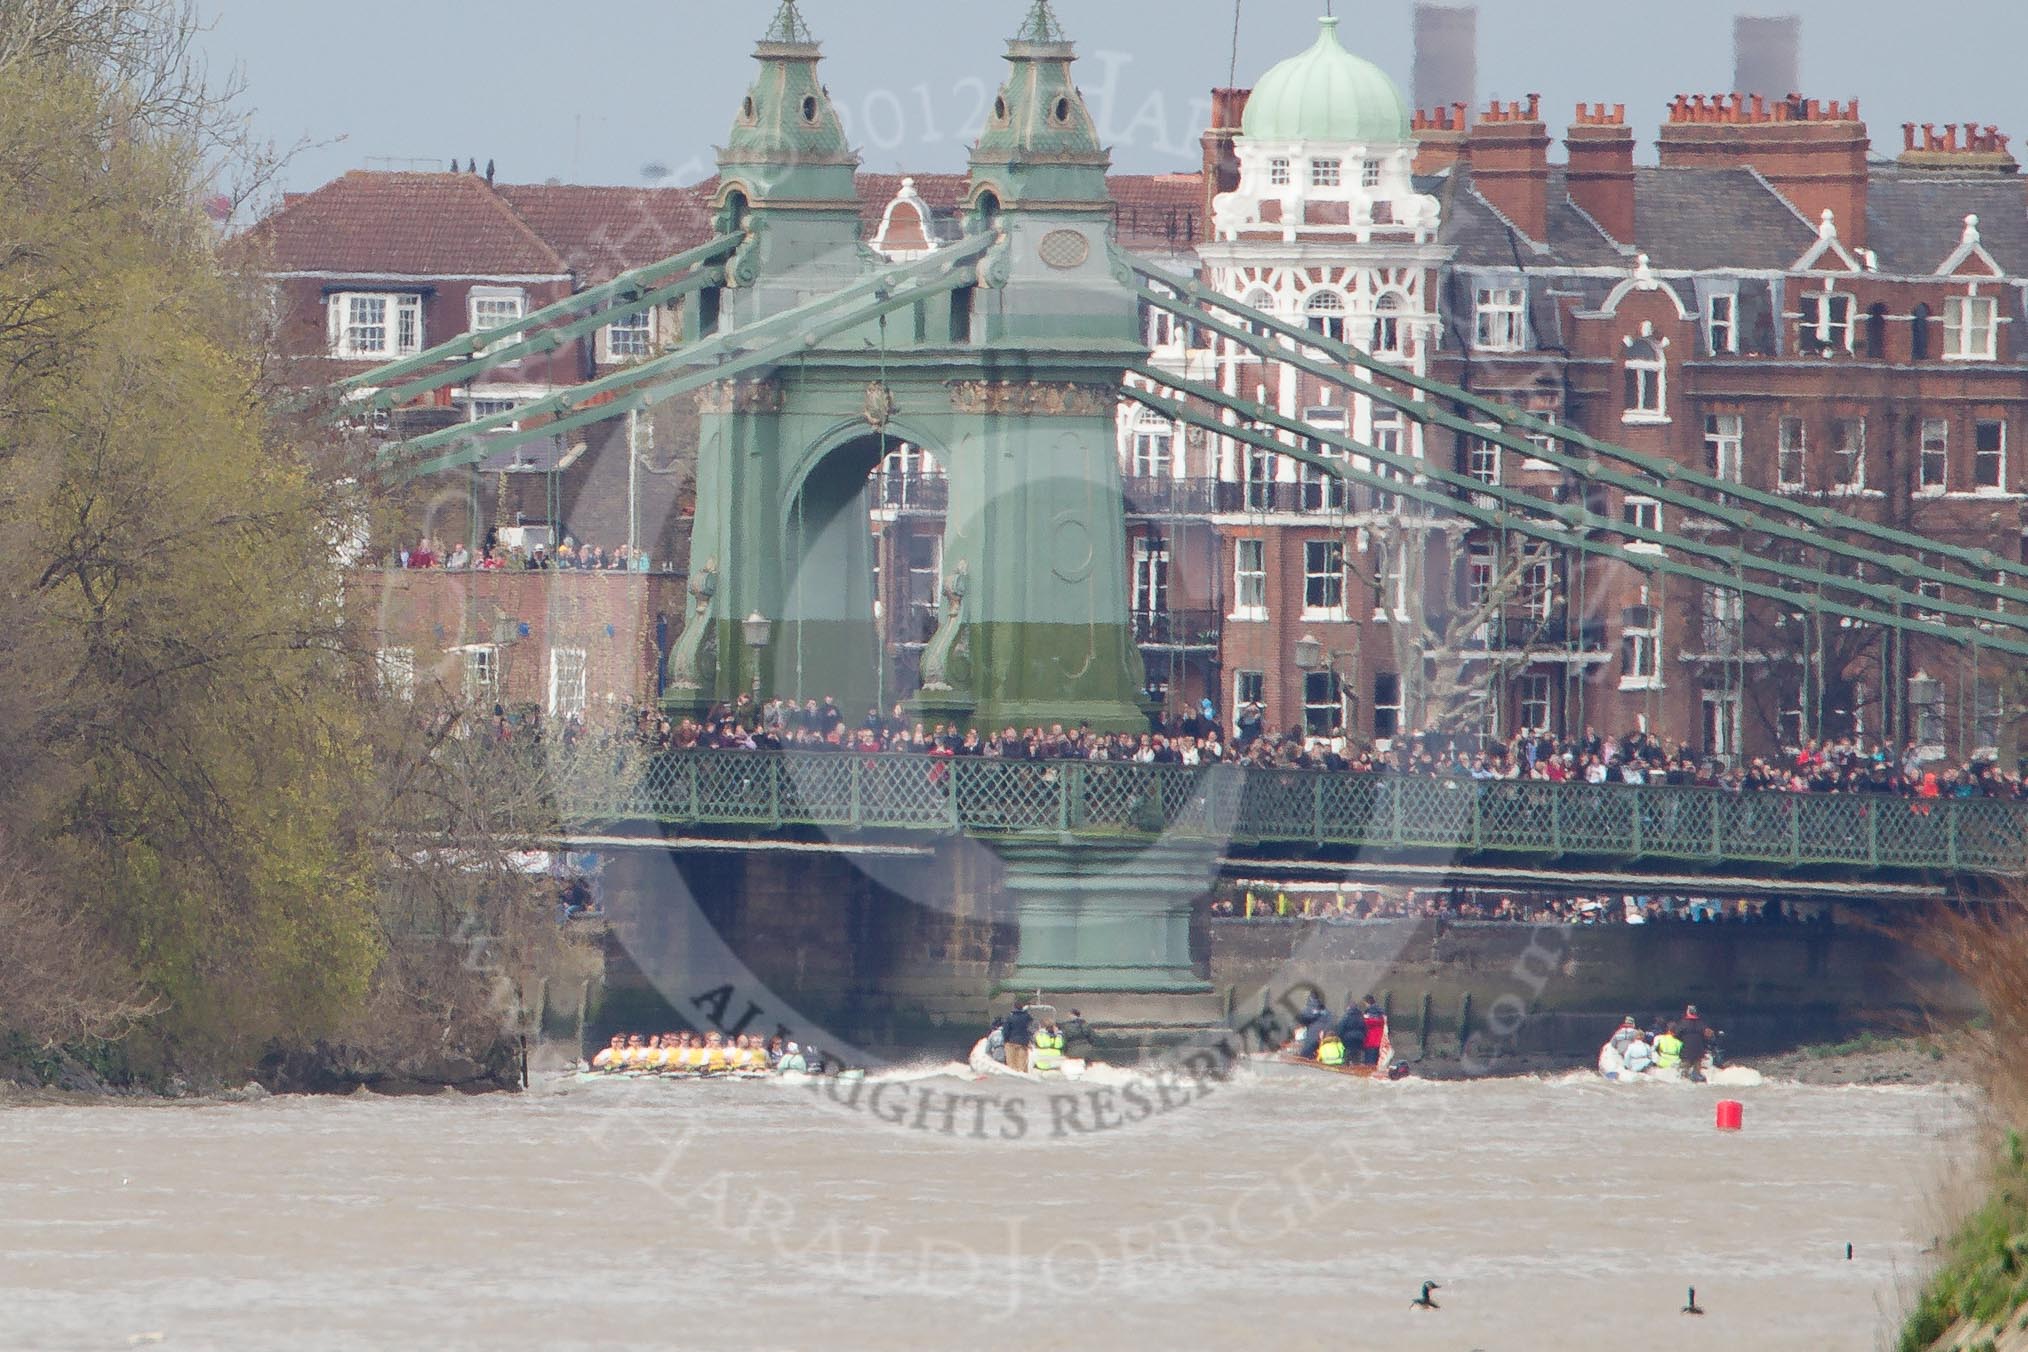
(1379, 812)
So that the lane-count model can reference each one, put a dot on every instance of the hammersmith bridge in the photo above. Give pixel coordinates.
(1007, 353)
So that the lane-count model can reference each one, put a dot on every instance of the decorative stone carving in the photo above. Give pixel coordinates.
(1063, 250)
(880, 405)
(1033, 399)
(742, 396)
(946, 659)
(692, 661)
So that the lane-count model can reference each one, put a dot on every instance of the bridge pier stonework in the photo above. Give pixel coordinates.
(1105, 927)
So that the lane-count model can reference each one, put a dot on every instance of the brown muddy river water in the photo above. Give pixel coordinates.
(936, 1213)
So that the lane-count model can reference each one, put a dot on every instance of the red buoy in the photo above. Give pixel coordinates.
(1730, 1114)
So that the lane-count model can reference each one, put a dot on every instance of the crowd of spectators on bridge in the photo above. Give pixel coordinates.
(569, 556)
(1839, 765)
(1268, 904)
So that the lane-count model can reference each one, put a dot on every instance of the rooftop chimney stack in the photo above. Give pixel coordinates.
(1978, 150)
(1446, 55)
(1601, 172)
(1439, 137)
(1508, 150)
(1221, 160)
(1812, 150)
(1767, 55)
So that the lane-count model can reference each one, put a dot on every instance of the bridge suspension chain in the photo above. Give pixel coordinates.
(1574, 537)
(1657, 474)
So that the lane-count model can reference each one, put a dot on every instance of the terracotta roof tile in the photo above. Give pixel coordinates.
(411, 225)
(427, 225)
(601, 232)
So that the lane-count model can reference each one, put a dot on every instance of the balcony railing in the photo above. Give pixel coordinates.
(1382, 812)
(1177, 628)
(912, 492)
(1525, 633)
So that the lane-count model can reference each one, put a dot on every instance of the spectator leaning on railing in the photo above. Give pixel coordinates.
(820, 725)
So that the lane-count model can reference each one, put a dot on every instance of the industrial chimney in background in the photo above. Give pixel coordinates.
(1767, 55)
(1446, 55)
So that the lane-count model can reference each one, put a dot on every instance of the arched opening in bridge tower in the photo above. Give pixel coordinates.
(851, 521)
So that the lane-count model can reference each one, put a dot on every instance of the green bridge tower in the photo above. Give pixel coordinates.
(1008, 369)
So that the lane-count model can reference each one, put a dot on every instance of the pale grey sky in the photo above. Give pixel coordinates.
(598, 91)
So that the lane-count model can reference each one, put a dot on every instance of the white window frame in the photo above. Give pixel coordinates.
(1389, 682)
(1389, 327)
(1331, 706)
(1154, 449)
(1259, 470)
(504, 305)
(1500, 319)
(1971, 328)
(1327, 172)
(1249, 579)
(1369, 174)
(1721, 323)
(1537, 593)
(569, 682)
(1646, 514)
(1533, 688)
(1722, 612)
(1794, 451)
(401, 324)
(1330, 307)
(1542, 442)
(1721, 710)
(1482, 570)
(1482, 458)
(1390, 583)
(1151, 576)
(1929, 589)
(1641, 660)
(485, 407)
(1320, 574)
(1851, 454)
(1281, 172)
(1725, 445)
(396, 669)
(1645, 398)
(1825, 324)
(639, 336)
(1248, 687)
(1999, 486)
(1934, 450)
(482, 673)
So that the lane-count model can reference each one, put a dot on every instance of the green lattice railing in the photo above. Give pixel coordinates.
(851, 791)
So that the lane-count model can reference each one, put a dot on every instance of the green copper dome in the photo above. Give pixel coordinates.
(1326, 94)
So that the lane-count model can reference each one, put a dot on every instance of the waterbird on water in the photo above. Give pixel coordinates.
(1692, 1307)
(1423, 1301)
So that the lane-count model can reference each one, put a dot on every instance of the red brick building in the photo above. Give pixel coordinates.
(1774, 300)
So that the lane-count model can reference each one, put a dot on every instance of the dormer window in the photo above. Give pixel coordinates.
(1327, 173)
(1721, 323)
(1971, 328)
(1498, 312)
(1826, 323)
(1279, 175)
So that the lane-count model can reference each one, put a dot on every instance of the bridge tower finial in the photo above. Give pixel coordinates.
(1041, 25)
(788, 26)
